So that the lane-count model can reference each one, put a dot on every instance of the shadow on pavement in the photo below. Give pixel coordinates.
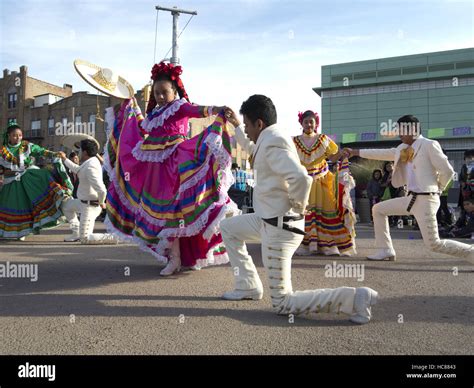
(440, 309)
(48, 305)
(72, 268)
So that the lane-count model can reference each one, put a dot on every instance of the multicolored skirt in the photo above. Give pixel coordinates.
(182, 197)
(330, 222)
(30, 204)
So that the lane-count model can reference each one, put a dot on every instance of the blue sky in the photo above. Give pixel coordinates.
(231, 49)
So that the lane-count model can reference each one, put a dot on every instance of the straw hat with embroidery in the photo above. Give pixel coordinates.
(104, 80)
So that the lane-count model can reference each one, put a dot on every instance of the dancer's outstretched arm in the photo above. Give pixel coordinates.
(37, 151)
(375, 154)
(246, 144)
(69, 163)
(199, 111)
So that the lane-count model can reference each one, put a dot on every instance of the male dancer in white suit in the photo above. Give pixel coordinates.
(280, 198)
(424, 168)
(91, 195)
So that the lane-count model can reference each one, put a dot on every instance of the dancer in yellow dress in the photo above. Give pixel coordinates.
(329, 216)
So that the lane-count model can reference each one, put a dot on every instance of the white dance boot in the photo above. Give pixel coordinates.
(174, 263)
(173, 266)
(75, 232)
(383, 254)
(101, 239)
(255, 294)
(303, 250)
(364, 299)
(330, 251)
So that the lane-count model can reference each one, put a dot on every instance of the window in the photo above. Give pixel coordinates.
(35, 124)
(464, 64)
(78, 119)
(389, 73)
(51, 130)
(441, 67)
(338, 78)
(12, 99)
(364, 75)
(61, 128)
(35, 128)
(92, 118)
(414, 70)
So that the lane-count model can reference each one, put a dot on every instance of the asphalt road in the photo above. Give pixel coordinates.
(111, 300)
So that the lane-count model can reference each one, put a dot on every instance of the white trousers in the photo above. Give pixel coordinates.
(424, 210)
(278, 247)
(85, 229)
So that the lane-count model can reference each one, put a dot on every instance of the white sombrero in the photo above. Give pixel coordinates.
(73, 142)
(104, 80)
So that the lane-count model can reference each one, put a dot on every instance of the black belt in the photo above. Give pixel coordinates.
(413, 198)
(92, 203)
(274, 221)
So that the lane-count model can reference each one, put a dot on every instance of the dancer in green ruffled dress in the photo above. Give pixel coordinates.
(30, 198)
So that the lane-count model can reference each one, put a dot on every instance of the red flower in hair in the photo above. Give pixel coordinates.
(166, 68)
(300, 117)
(175, 72)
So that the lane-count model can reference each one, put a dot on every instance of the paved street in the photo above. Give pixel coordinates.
(111, 300)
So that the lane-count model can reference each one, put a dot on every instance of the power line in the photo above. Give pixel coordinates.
(189, 20)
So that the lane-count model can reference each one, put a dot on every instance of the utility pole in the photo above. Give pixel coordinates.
(175, 12)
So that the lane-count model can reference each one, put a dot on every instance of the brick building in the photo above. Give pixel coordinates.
(17, 92)
(82, 113)
(46, 112)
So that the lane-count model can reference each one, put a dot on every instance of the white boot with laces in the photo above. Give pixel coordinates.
(174, 262)
(75, 232)
(173, 266)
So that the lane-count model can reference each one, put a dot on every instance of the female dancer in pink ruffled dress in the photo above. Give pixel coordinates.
(168, 192)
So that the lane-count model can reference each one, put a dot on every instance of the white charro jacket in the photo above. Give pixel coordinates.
(432, 169)
(91, 184)
(282, 184)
